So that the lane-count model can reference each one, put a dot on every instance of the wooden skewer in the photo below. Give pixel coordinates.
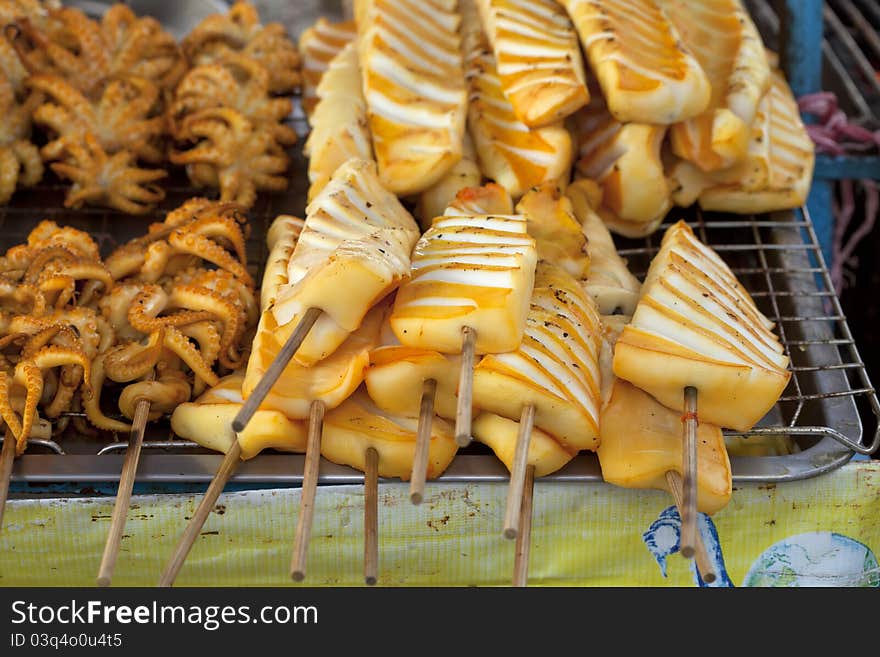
(230, 462)
(701, 556)
(465, 388)
(218, 483)
(123, 493)
(524, 536)
(371, 517)
(309, 487)
(518, 472)
(423, 442)
(7, 458)
(273, 372)
(688, 510)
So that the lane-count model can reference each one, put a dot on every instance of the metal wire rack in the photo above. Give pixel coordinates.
(776, 257)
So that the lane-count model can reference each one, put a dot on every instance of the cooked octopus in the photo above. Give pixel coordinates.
(113, 180)
(239, 30)
(86, 53)
(70, 44)
(140, 47)
(29, 374)
(121, 119)
(240, 83)
(20, 163)
(198, 230)
(246, 158)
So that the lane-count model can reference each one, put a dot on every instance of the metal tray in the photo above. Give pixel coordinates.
(776, 257)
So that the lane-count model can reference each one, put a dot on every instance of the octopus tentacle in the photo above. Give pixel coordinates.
(200, 298)
(180, 345)
(209, 250)
(208, 339)
(92, 405)
(10, 417)
(133, 360)
(28, 375)
(143, 314)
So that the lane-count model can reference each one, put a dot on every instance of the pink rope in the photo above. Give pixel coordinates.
(835, 135)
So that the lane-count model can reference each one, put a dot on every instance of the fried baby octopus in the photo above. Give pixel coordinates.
(219, 36)
(20, 163)
(114, 181)
(56, 346)
(198, 230)
(123, 117)
(86, 53)
(244, 158)
(240, 83)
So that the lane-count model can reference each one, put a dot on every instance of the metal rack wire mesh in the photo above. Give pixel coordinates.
(776, 257)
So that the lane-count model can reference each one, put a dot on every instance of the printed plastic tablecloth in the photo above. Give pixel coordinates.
(820, 531)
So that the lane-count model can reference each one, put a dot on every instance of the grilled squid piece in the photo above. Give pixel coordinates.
(538, 56)
(353, 250)
(318, 45)
(624, 159)
(610, 283)
(437, 198)
(640, 441)
(396, 374)
(413, 84)
(777, 170)
(646, 72)
(358, 424)
(339, 123)
(555, 368)
(727, 45)
(500, 434)
(695, 325)
(469, 271)
(330, 380)
(509, 152)
(557, 233)
(207, 421)
(490, 198)
(281, 239)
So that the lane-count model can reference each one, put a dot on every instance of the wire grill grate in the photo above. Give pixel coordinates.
(776, 257)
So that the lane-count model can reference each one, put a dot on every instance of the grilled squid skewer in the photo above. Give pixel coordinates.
(550, 381)
(472, 278)
(696, 331)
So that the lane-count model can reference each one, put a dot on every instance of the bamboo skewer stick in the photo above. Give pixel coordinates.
(230, 462)
(218, 483)
(524, 536)
(7, 458)
(701, 556)
(123, 493)
(423, 442)
(273, 372)
(518, 472)
(309, 488)
(371, 517)
(465, 388)
(688, 510)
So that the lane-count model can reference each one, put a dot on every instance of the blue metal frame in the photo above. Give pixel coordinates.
(801, 38)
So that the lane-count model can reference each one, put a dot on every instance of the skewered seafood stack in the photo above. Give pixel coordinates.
(570, 291)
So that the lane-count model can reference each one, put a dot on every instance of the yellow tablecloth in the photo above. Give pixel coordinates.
(824, 530)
